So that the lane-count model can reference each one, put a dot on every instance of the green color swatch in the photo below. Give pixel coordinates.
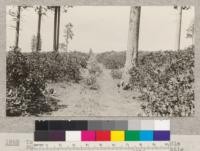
(132, 135)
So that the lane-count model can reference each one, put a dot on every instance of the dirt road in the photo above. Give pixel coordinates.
(108, 100)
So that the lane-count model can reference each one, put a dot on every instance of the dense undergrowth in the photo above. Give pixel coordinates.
(166, 81)
(93, 71)
(164, 78)
(112, 59)
(29, 73)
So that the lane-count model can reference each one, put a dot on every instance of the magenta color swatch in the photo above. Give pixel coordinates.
(87, 135)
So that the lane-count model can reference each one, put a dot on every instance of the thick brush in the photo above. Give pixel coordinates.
(28, 74)
(166, 81)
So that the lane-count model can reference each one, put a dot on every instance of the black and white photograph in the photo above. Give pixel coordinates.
(100, 61)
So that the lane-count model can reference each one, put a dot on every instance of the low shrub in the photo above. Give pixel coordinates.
(93, 66)
(116, 74)
(166, 83)
(112, 59)
(25, 86)
(58, 66)
(28, 74)
(17, 68)
(91, 82)
(93, 71)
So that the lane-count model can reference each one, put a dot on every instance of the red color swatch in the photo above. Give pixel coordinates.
(102, 135)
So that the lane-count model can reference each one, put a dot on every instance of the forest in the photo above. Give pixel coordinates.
(128, 82)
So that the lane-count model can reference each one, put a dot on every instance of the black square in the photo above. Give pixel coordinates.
(41, 125)
(57, 125)
(77, 125)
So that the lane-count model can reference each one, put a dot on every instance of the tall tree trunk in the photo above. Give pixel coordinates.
(18, 27)
(133, 42)
(178, 34)
(66, 46)
(58, 28)
(193, 36)
(55, 29)
(192, 40)
(39, 27)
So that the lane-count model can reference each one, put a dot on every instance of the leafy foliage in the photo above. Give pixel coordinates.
(94, 70)
(28, 74)
(25, 86)
(112, 59)
(59, 66)
(166, 81)
(116, 73)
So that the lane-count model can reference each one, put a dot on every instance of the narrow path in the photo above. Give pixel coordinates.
(107, 101)
(118, 102)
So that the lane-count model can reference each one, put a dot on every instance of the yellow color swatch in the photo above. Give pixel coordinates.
(117, 136)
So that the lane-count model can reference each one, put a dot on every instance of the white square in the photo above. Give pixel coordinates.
(73, 135)
(162, 125)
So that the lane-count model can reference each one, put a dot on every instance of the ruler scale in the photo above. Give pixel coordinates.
(100, 146)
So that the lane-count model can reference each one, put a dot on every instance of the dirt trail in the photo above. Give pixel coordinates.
(109, 100)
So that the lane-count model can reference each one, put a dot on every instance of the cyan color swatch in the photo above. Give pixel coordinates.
(146, 135)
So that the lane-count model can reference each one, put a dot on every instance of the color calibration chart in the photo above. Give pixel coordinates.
(114, 131)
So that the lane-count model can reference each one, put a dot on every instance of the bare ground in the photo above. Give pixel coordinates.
(108, 100)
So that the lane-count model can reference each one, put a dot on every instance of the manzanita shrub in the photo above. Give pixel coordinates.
(28, 75)
(59, 66)
(25, 86)
(116, 73)
(112, 59)
(166, 81)
(93, 71)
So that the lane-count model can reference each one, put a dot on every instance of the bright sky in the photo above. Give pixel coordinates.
(104, 28)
